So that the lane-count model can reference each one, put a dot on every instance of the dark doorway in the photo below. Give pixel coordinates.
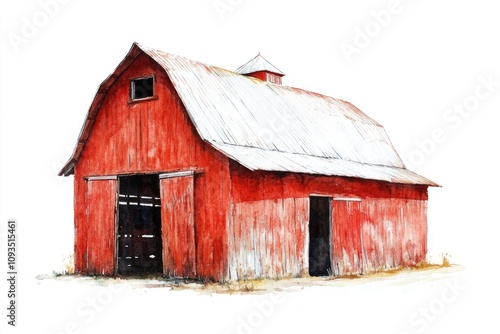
(319, 235)
(139, 225)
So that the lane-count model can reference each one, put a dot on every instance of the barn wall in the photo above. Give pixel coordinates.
(346, 245)
(155, 136)
(100, 224)
(378, 234)
(394, 233)
(81, 227)
(267, 238)
(268, 229)
(179, 254)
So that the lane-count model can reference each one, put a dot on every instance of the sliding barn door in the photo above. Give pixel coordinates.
(346, 241)
(100, 199)
(177, 216)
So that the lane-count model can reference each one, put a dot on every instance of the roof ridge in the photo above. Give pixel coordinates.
(223, 107)
(372, 121)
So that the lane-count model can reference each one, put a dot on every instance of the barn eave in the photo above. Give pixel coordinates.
(323, 136)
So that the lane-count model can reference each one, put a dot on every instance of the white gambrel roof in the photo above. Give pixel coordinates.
(265, 126)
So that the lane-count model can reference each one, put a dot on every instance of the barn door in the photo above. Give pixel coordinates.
(100, 201)
(346, 241)
(319, 235)
(139, 225)
(177, 213)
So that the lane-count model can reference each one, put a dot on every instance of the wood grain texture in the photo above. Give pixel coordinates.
(100, 226)
(346, 238)
(178, 234)
(246, 223)
(156, 136)
(386, 228)
(266, 240)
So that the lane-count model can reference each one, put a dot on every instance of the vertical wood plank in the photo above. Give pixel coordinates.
(81, 232)
(178, 234)
(157, 135)
(346, 240)
(302, 230)
(101, 214)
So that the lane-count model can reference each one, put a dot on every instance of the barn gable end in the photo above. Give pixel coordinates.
(150, 136)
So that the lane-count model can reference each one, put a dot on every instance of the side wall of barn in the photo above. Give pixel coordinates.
(269, 233)
(150, 136)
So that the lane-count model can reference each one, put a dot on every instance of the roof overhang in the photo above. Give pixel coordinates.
(281, 157)
(276, 161)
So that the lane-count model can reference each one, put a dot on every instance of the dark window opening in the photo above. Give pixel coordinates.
(319, 236)
(141, 88)
(139, 225)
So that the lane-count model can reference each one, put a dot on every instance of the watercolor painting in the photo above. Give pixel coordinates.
(192, 171)
(245, 167)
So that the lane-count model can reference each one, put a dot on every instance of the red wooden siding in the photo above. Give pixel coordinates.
(80, 217)
(267, 238)
(377, 234)
(347, 253)
(177, 215)
(261, 75)
(394, 233)
(157, 136)
(100, 226)
(387, 228)
(226, 221)
(267, 76)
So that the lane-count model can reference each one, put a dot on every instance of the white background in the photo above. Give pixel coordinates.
(423, 60)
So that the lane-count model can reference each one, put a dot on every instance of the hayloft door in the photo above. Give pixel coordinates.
(178, 234)
(100, 202)
(319, 235)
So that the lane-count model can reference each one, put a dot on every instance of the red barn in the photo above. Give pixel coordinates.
(190, 170)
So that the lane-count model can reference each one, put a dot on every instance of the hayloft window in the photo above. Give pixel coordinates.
(142, 88)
